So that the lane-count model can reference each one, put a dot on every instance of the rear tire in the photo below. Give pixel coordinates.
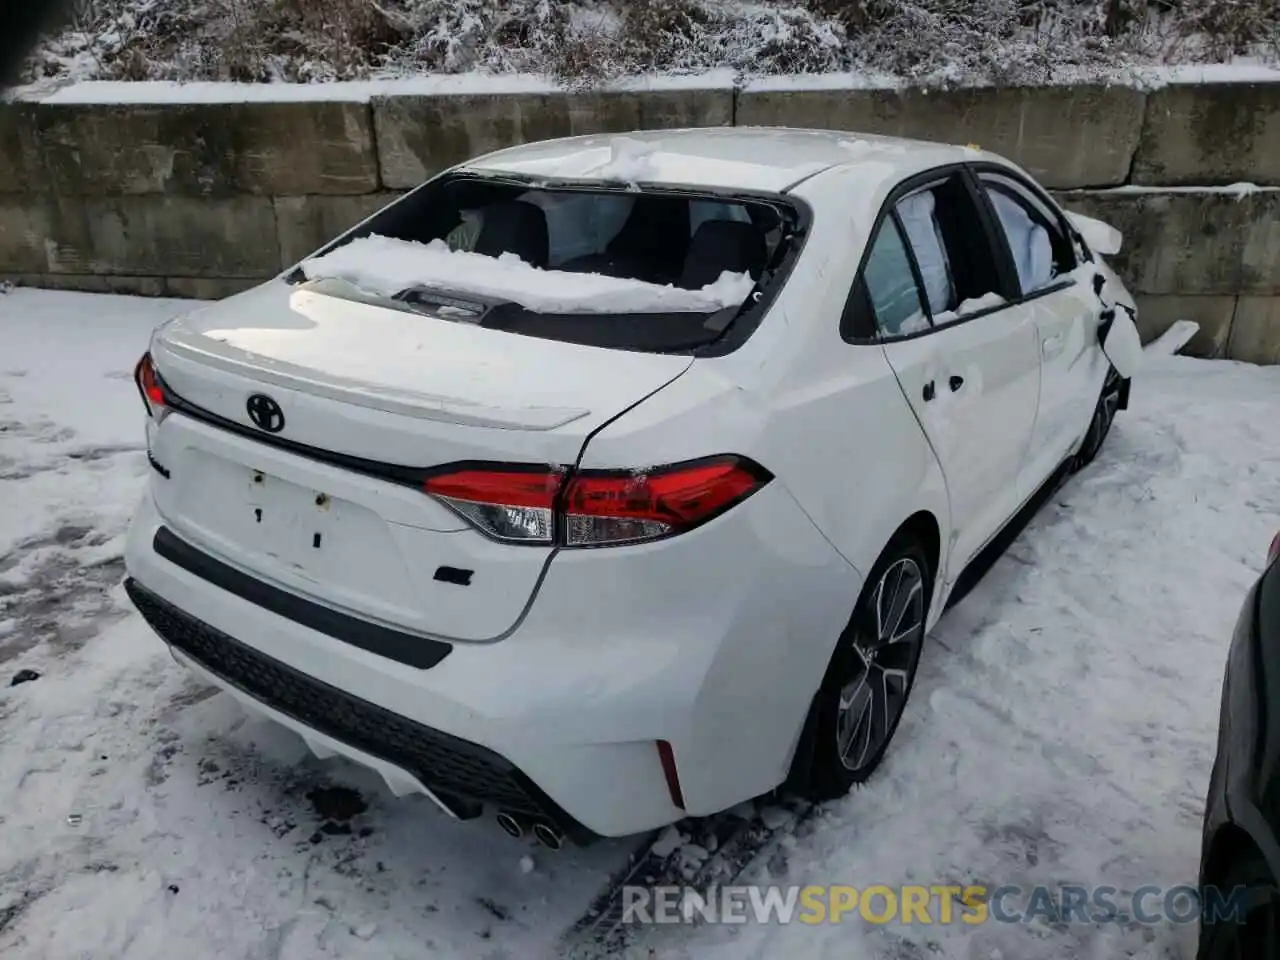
(865, 690)
(1258, 935)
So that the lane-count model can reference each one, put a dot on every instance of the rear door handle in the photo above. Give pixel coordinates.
(929, 391)
(956, 382)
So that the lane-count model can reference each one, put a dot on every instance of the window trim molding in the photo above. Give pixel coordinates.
(858, 311)
(1057, 287)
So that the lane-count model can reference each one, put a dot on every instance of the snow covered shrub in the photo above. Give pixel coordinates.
(854, 15)
(1228, 27)
(947, 40)
(452, 36)
(663, 33)
(583, 57)
(787, 38)
(448, 34)
(350, 35)
(587, 41)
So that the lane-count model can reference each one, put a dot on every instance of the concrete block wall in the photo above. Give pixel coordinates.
(1203, 255)
(203, 199)
(1064, 136)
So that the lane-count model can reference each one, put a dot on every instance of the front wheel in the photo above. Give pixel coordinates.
(1104, 414)
(865, 690)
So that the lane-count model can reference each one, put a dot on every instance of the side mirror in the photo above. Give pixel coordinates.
(1099, 281)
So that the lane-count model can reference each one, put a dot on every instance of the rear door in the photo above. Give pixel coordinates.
(968, 364)
(1065, 314)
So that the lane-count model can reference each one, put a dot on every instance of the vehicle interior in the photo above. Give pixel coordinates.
(669, 238)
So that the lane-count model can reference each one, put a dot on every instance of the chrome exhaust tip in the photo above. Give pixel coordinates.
(548, 836)
(511, 825)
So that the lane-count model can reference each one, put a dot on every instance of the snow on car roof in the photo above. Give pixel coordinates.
(769, 159)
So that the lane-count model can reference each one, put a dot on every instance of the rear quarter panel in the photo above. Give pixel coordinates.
(841, 432)
(826, 417)
(829, 420)
(759, 595)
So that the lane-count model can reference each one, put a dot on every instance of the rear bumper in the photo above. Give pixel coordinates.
(713, 642)
(452, 771)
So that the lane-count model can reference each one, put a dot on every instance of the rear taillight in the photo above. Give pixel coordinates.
(596, 508)
(603, 507)
(1274, 553)
(667, 758)
(150, 386)
(517, 506)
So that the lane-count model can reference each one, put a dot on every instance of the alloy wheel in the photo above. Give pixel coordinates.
(1103, 416)
(886, 650)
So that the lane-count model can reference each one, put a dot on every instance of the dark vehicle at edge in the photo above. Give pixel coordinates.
(1240, 854)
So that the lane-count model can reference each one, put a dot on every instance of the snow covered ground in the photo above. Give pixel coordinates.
(1061, 730)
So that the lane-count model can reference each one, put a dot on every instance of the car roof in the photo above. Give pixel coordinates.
(769, 159)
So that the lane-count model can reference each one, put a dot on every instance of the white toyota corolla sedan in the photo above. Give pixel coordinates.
(607, 481)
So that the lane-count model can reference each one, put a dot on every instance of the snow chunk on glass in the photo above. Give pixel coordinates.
(386, 266)
(985, 302)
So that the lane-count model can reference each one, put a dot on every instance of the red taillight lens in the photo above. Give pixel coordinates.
(597, 507)
(613, 507)
(507, 504)
(149, 385)
(1274, 553)
(667, 757)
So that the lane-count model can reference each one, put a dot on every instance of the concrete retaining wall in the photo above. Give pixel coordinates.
(419, 136)
(1064, 136)
(203, 199)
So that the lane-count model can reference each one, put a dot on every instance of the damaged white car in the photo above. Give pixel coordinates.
(609, 481)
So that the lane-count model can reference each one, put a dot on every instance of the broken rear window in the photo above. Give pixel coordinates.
(613, 267)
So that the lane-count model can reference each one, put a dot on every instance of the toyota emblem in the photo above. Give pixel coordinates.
(265, 413)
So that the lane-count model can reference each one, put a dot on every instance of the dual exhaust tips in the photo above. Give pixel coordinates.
(517, 826)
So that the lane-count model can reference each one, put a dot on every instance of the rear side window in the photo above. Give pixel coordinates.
(1041, 249)
(891, 285)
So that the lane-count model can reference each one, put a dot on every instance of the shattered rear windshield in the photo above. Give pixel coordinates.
(615, 267)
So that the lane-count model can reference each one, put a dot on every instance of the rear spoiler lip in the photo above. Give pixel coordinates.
(187, 346)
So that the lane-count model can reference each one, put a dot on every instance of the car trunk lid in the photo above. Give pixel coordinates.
(327, 501)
